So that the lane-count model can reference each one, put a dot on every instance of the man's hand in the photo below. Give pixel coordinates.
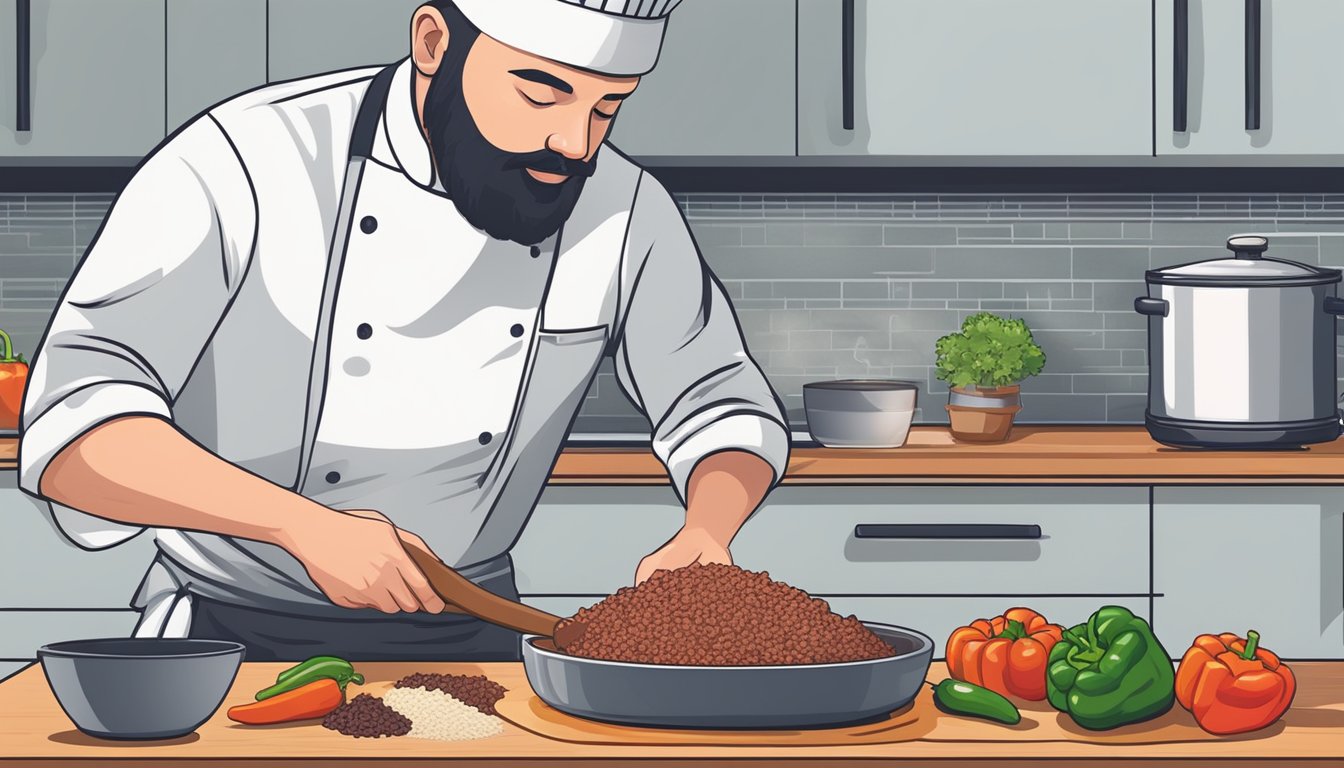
(357, 559)
(690, 545)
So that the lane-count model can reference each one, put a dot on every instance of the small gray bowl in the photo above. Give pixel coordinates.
(860, 413)
(782, 696)
(140, 688)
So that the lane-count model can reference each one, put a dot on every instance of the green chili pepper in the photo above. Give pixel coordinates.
(313, 669)
(958, 698)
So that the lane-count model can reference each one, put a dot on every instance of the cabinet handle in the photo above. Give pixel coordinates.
(1180, 87)
(847, 64)
(23, 118)
(1252, 65)
(945, 531)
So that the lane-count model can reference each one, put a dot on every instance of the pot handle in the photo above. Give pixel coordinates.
(1334, 305)
(1153, 307)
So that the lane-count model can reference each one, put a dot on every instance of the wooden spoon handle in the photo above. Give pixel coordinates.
(457, 589)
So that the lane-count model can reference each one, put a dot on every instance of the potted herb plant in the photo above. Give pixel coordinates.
(984, 363)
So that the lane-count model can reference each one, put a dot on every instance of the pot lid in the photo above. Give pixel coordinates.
(1248, 267)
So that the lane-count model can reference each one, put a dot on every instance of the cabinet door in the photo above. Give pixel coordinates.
(1268, 559)
(216, 49)
(805, 536)
(309, 37)
(724, 84)
(1300, 79)
(97, 79)
(978, 77)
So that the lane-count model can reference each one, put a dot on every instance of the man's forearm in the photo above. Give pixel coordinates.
(143, 471)
(723, 490)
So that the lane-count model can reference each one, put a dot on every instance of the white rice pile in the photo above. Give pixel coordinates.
(436, 715)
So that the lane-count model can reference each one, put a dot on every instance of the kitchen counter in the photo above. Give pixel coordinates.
(1035, 455)
(35, 732)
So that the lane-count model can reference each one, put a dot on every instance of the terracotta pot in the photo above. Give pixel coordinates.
(984, 424)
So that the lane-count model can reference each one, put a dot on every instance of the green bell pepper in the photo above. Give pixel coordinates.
(1110, 671)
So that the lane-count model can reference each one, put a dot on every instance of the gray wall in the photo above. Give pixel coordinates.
(862, 285)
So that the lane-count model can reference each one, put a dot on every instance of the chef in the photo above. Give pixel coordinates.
(339, 315)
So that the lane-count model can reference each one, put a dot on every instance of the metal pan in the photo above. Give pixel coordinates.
(672, 696)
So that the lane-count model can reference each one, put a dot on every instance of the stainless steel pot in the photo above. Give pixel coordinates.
(1241, 351)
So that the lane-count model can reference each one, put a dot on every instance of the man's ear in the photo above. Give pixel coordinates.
(429, 39)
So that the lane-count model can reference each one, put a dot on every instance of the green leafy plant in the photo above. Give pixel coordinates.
(989, 351)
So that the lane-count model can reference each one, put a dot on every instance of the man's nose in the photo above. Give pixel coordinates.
(572, 142)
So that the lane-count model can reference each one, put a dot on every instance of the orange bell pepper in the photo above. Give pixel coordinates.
(1006, 654)
(13, 378)
(1232, 685)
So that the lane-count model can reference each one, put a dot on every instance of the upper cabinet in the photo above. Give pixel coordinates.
(1287, 105)
(975, 77)
(309, 37)
(724, 84)
(96, 80)
(216, 49)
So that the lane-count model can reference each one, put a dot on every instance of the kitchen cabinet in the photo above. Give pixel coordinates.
(1299, 79)
(977, 78)
(724, 84)
(216, 50)
(96, 79)
(1269, 559)
(1093, 549)
(309, 37)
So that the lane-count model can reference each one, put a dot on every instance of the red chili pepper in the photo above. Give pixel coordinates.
(13, 378)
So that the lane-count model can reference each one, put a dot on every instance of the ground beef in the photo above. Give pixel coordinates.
(365, 715)
(473, 690)
(720, 615)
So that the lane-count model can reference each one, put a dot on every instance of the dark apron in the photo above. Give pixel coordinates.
(365, 634)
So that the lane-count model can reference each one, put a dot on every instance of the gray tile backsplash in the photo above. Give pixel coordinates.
(829, 286)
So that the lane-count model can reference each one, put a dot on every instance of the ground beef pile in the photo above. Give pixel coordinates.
(720, 615)
(365, 715)
(473, 690)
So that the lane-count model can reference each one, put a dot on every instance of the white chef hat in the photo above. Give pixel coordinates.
(613, 37)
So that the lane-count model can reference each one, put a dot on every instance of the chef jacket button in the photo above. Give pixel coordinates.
(333, 477)
(364, 331)
(484, 438)
(516, 330)
(368, 224)
(535, 251)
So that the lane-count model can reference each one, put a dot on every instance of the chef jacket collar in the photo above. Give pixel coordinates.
(402, 144)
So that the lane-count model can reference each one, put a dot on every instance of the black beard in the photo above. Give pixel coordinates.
(490, 187)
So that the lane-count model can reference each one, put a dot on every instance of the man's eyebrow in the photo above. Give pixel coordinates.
(545, 78)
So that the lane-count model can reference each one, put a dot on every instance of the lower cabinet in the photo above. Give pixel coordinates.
(1268, 559)
(584, 543)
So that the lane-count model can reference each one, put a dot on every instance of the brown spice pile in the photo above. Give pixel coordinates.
(365, 715)
(476, 691)
(720, 615)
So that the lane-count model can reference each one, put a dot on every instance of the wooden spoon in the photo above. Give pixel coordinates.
(461, 593)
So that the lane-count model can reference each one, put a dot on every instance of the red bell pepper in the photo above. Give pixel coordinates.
(13, 378)
(1232, 685)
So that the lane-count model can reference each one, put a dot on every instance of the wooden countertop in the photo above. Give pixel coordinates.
(1062, 455)
(35, 732)
(1037, 455)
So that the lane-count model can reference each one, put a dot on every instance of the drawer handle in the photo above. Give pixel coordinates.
(23, 93)
(847, 64)
(1252, 65)
(945, 531)
(1180, 92)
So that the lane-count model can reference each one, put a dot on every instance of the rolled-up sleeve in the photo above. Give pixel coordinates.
(140, 307)
(681, 357)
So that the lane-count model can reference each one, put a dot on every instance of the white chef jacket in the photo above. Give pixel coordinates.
(434, 379)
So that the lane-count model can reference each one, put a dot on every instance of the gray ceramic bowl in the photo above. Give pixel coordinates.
(860, 413)
(672, 696)
(140, 688)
